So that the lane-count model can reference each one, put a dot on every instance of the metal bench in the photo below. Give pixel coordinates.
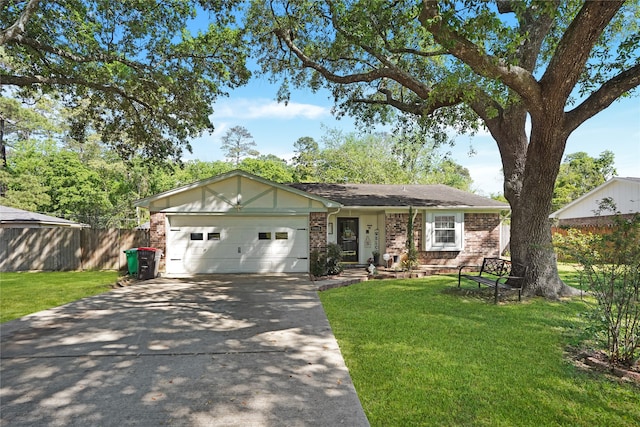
(496, 273)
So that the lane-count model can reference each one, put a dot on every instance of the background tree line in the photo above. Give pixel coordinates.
(47, 170)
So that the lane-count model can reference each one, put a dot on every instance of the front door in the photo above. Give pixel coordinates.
(348, 238)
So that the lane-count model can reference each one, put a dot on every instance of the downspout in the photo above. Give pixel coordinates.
(333, 213)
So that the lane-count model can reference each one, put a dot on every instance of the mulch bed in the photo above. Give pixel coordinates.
(597, 361)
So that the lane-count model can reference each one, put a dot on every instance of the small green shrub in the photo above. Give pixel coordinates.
(566, 244)
(411, 260)
(329, 263)
(334, 259)
(318, 261)
(611, 270)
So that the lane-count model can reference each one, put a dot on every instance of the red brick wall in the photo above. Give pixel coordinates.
(317, 231)
(482, 237)
(396, 232)
(481, 234)
(158, 235)
(593, 221)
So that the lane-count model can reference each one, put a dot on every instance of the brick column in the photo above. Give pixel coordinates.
(158, 235)
(396, 233)
(482, 236)
(318, 231)
(395, 227)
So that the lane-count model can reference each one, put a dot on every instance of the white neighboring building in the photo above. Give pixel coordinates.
(623, 192)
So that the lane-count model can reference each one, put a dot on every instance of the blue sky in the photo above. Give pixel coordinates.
(275, 127)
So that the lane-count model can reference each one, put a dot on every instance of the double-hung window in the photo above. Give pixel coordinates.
(444, 231)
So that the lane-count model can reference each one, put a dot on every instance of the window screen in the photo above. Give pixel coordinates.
(445, 228)
(282, 235)
(197, 236)
(213, 236)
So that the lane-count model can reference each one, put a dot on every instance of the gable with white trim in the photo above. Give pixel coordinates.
(237, 194)
(624, 192)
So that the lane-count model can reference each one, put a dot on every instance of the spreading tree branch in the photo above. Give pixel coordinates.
(517, 78)
(18, 27)
(24, 81)
(603, 97)
(422, 53)
(574, 50)
(394, 74)
(80, 59)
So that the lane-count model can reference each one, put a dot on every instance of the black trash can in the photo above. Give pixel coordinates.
(148, 263)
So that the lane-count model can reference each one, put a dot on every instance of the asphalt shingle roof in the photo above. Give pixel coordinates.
(398, 195)
(10, 215)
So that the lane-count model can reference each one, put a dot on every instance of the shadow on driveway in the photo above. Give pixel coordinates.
(232, 350)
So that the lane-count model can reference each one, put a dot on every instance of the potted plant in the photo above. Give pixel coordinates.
(376, 257)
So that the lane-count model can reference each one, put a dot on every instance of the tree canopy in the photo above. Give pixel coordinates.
(88, 182)
(459, 65)
(375, 159)
(132, 70)
(579, 174)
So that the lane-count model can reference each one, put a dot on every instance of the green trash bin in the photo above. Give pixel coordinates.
(132, 261)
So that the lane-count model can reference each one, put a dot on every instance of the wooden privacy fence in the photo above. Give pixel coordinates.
(54, 249)
(593, 229)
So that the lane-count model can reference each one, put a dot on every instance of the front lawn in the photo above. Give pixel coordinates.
(25, 293)
(420, 353)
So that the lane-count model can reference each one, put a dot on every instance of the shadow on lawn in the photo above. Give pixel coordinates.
(483, 294)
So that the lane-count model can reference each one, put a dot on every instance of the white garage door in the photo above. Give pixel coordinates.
(215, 244)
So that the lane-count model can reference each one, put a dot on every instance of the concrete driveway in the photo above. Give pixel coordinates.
(233, 350)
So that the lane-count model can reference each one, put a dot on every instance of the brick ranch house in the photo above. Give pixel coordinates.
(240, 223)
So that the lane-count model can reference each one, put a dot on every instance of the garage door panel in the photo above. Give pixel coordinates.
(247, 265)
(210, 244)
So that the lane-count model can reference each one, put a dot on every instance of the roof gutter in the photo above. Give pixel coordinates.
(333, 213)
(447, 208)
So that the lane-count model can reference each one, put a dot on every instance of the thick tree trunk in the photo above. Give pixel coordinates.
(530, 167)
(531, 245)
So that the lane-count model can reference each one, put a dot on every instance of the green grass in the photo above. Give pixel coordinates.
(570, 273)
(422, 353)
(25, 293)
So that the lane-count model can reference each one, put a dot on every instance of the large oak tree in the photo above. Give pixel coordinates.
(460, 63)
(132, 71)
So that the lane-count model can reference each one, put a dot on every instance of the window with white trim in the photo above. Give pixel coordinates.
(444, 231)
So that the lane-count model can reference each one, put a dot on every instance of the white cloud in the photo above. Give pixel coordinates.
(244, 108)
(219, 129)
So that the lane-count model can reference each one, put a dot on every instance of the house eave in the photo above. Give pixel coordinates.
(439, 207)
(557, 214)
(35, 224)
(147, 201)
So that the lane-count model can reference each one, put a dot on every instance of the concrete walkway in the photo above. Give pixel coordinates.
(233, 350)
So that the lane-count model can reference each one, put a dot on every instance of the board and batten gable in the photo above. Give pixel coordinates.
(235, 195)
